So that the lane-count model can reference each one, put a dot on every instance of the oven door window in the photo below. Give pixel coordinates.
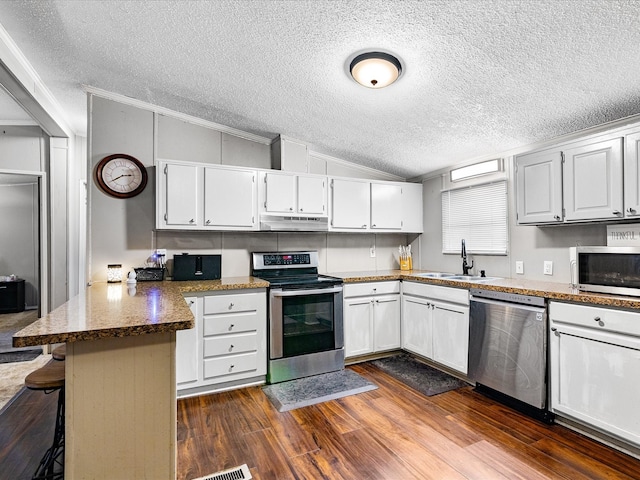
(308, 324)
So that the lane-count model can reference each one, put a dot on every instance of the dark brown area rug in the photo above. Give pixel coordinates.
(419, 376)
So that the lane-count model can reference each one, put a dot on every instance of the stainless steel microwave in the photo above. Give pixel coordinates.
(614, 270)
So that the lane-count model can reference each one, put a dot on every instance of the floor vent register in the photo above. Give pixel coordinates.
(237, 473)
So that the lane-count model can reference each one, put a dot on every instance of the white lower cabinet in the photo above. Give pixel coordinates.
(435, 323)
(229, 342)
(371, 317)
(187, 352)
(594, 364)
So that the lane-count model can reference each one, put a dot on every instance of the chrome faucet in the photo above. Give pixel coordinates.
(465, 266)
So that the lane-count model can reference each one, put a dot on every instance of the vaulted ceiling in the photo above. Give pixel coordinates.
(481, 77)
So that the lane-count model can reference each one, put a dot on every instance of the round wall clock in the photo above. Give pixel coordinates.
(121, 175)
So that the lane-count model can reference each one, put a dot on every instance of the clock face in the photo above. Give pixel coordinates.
(121, 176)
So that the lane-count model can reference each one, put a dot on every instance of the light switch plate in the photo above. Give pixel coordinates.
(548, 267)
(372, 252)
(520, 267)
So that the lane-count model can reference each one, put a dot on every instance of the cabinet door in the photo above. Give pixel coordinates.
(632, 175)
(181, 194)
(349, 204)
(386, 206)
(386, 323)
(539, 187)
(280, 193)
(188, 347)
(358, 327)
(312, 195)
(594, 380)
(229, 198)
(451, 336)
(593, 181)
(417, 326)
(412, 208)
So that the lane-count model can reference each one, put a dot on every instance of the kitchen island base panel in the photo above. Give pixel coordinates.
(121, 408)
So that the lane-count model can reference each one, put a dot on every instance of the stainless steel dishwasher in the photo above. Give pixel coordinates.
(508, 349)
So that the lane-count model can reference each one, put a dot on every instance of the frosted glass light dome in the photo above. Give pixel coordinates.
(375, 69)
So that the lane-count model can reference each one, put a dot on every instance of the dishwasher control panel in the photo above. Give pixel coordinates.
(508, 297)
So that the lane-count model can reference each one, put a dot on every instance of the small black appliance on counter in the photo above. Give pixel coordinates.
(149, 274)
(196, 267)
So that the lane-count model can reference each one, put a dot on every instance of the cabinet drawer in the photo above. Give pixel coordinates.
(604, 319)
(230, 365)
(436, 292)
(241, 302)
(230, 344)
(233, 323)
(371, 288)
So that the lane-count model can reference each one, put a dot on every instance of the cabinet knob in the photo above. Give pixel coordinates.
(291, 209)
(301, 210)
(231, 327)
(617, 212)
(557, 217)
(373, 226)
(231, 305)
(207, 222)
(231, 367)
(192, 221)
(364, 226)
(231, 347)
(597, 319)
(191, 302)
(632, 211)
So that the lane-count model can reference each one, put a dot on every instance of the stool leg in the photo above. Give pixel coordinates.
(51, 466)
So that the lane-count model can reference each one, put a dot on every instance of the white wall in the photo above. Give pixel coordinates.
(530, 244)
(19, 246)
(122, 231)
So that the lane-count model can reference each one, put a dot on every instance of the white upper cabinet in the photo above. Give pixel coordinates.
(350, 204)
(386, 206)
(198, 197)
(412, 208)
(312, 195)
(539, 187)
(180, 185)
(280, 193)
(295, 194)
(229, 198)
(593, 181)
(290, 155)
(632, 175)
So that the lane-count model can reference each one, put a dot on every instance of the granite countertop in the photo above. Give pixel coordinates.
(549, 290)
(106, 310)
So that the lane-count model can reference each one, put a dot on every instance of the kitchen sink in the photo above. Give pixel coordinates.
(472, 278)
(454, 276)
(435, 275)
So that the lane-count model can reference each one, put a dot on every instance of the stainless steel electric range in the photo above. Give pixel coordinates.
(306, 332)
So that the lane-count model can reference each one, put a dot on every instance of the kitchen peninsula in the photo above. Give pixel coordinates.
(120, 373)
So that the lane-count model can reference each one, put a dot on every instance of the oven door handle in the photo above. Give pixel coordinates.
(298, 293)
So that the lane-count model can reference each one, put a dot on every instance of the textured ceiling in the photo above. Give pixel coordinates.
(481, 77)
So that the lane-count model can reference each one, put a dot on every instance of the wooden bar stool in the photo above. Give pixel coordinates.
(60, 352)
(49, 379)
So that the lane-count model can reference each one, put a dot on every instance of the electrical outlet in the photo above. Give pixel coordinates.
(520, 267)
(161, 251)
(372, 252)
(548, 267)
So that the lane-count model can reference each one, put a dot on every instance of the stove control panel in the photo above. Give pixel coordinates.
(287, 259)
(284, 260)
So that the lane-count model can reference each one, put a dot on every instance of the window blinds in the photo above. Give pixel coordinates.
(479, 215)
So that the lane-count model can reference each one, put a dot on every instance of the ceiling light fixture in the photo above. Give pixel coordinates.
(375, 69)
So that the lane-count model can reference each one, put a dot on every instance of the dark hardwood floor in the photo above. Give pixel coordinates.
(389, 433)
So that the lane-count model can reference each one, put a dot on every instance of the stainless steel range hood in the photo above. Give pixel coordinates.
(288, 223)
